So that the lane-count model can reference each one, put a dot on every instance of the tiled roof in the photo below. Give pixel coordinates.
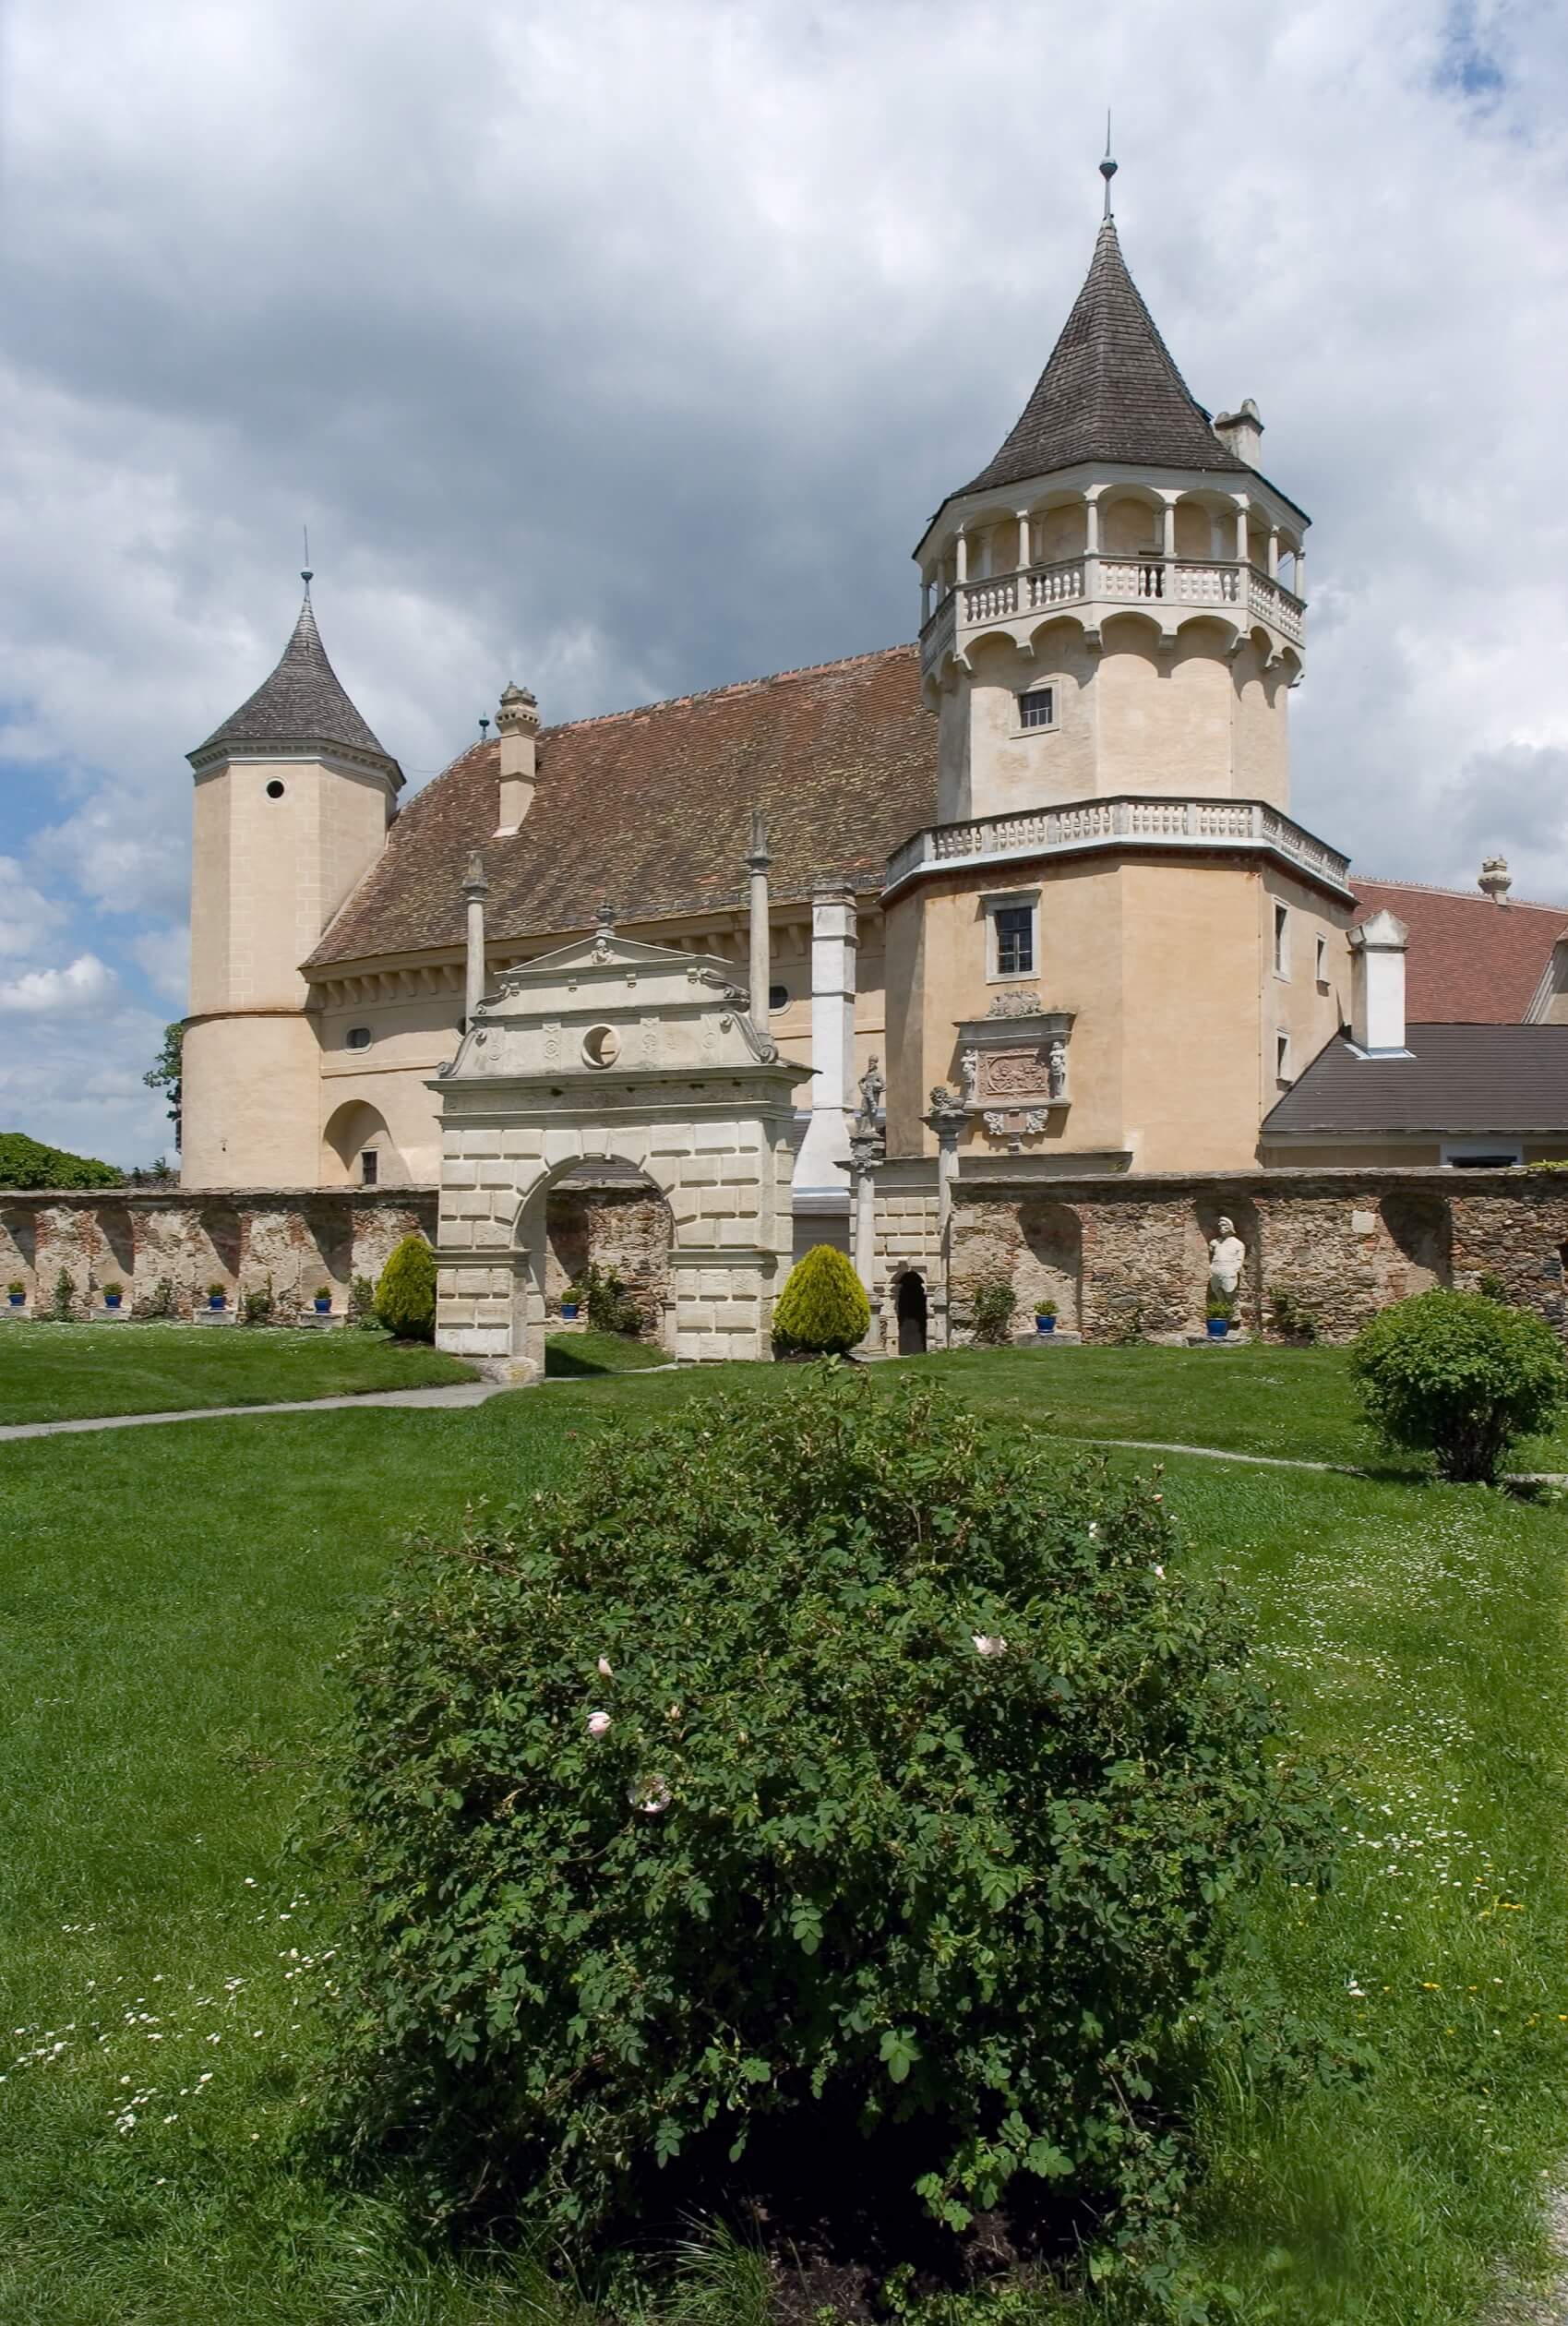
(1470, 961)
(1460, 1082)
(650, 809)
(1109, 392)
(302, 702)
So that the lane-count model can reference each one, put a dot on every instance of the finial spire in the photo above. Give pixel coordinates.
(306, 575)
(1108, 167)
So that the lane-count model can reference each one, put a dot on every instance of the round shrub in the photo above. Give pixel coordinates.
(823, 1309)
(991, 1307)
(1459, 1377)
(812, 1769)
(405, 1297)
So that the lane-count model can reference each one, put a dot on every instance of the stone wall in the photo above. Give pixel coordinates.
(611, 1226)
(244, 1239)
(1130, 1258)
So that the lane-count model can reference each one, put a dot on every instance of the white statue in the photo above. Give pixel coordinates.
(969, 1064)
(1055, 1067)
(1227, 1256)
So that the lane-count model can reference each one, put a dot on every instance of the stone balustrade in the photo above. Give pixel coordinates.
(1128, 821)
(1245, 593)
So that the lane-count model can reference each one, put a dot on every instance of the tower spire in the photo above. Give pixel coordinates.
(1108, 167)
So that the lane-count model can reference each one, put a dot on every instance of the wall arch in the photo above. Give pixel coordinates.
(1050, 1262)
(351, 1130)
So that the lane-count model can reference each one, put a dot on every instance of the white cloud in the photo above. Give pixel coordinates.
(85, 983)
(27, 916)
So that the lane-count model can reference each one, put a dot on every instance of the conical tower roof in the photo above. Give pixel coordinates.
(1109, 392)
(302, 701)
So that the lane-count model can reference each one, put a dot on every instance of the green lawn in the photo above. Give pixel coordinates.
(62, 1372)
(576, 1356)
(169, 1607)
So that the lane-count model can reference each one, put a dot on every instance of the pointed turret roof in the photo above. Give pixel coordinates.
(1109, 392)
(302, 702)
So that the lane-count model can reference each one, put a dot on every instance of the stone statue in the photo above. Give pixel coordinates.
(1055, 1067)
(969, 1065)
(872, 1086)
(1227, 1256)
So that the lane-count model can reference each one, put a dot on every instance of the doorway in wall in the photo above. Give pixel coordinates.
(912, 1314)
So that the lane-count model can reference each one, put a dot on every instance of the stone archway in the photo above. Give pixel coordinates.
(557, 1234)
(912, 1309)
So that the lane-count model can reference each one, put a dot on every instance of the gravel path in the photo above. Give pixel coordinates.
(454, 1398)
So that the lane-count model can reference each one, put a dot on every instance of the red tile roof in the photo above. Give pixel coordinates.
(1470, 961)
(650, 809)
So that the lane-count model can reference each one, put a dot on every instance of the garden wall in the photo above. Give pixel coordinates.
(1130, 1258)
(142, 1240)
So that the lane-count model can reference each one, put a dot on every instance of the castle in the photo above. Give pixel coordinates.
(809, 957)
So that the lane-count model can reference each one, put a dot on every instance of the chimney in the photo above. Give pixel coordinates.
(1377, 986)
(1495, 880)
(518, 721)
(1242, 432)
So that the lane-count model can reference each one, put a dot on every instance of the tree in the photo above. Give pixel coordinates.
(1459, 1377)
(406, 1297)
(823, 1309)
(166, 1075)
(25, 1162)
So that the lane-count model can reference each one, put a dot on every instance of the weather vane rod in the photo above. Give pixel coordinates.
(306, 575)
(1108, 167)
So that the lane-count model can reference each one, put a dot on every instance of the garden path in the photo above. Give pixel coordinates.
(454, 1398)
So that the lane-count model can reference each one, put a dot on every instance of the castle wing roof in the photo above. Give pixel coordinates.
(1110, 391)
(1470, 961)
(650, 809)
(302, 701)
(1459, 1081)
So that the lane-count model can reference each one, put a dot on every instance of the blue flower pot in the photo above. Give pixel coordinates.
(1219, 1327)
(215, 1300)
(111, 1300)
(569, 1312)
(323, 1308)
(1045, 1326)
(17, 1298)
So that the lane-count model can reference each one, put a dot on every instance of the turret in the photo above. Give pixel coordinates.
(294, 795)
(1113, 604)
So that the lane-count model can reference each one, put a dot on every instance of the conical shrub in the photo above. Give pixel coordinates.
(823, 1308)
(406, 1297)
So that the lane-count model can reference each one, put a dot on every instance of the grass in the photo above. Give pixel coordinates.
(572, 1355)
(158, 1954)
(66, 1372)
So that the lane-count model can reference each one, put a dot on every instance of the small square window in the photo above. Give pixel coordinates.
(358, 1037)
(1014, 939)
(1037, 708)
(1281, 941)
(369, 1167)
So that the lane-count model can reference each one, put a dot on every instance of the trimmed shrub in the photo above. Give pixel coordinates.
(1459, 1377)
(991, 1306)
(405, 1297)
(823, 1309)
(810, 1784)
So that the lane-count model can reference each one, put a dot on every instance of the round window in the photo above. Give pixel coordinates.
(778, 997)
(274, 789)
(601, 1046)
(358, 1037)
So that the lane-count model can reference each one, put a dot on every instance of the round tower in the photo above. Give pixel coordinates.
(1114, 604)
(294, 795)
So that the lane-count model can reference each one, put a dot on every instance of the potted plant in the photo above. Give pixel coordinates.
(16, 1292)
(323, 1299)
(1045, 1319)
(571, 1301)
(216, 1296)
(112, 1295)
(1217, 1314)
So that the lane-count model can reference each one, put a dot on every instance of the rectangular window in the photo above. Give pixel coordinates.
(1281, 941)
(370, 1162)
(1477, 1156)
(1323, 960)
(1015, 940)
(1282, 1056)
(1037, 708)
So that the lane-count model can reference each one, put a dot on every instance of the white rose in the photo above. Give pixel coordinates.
(598, 1723)
(989, 1644)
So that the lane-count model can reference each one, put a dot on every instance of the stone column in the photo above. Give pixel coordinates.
(866, 1151)
(1240, 533)
(1170, 535)
(824, 1152)
(961, 557)
(759, 857)
(475, 889)
(1022, 540)
(948, 1118)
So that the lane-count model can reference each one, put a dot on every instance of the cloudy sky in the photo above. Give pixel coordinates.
(623, 347)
